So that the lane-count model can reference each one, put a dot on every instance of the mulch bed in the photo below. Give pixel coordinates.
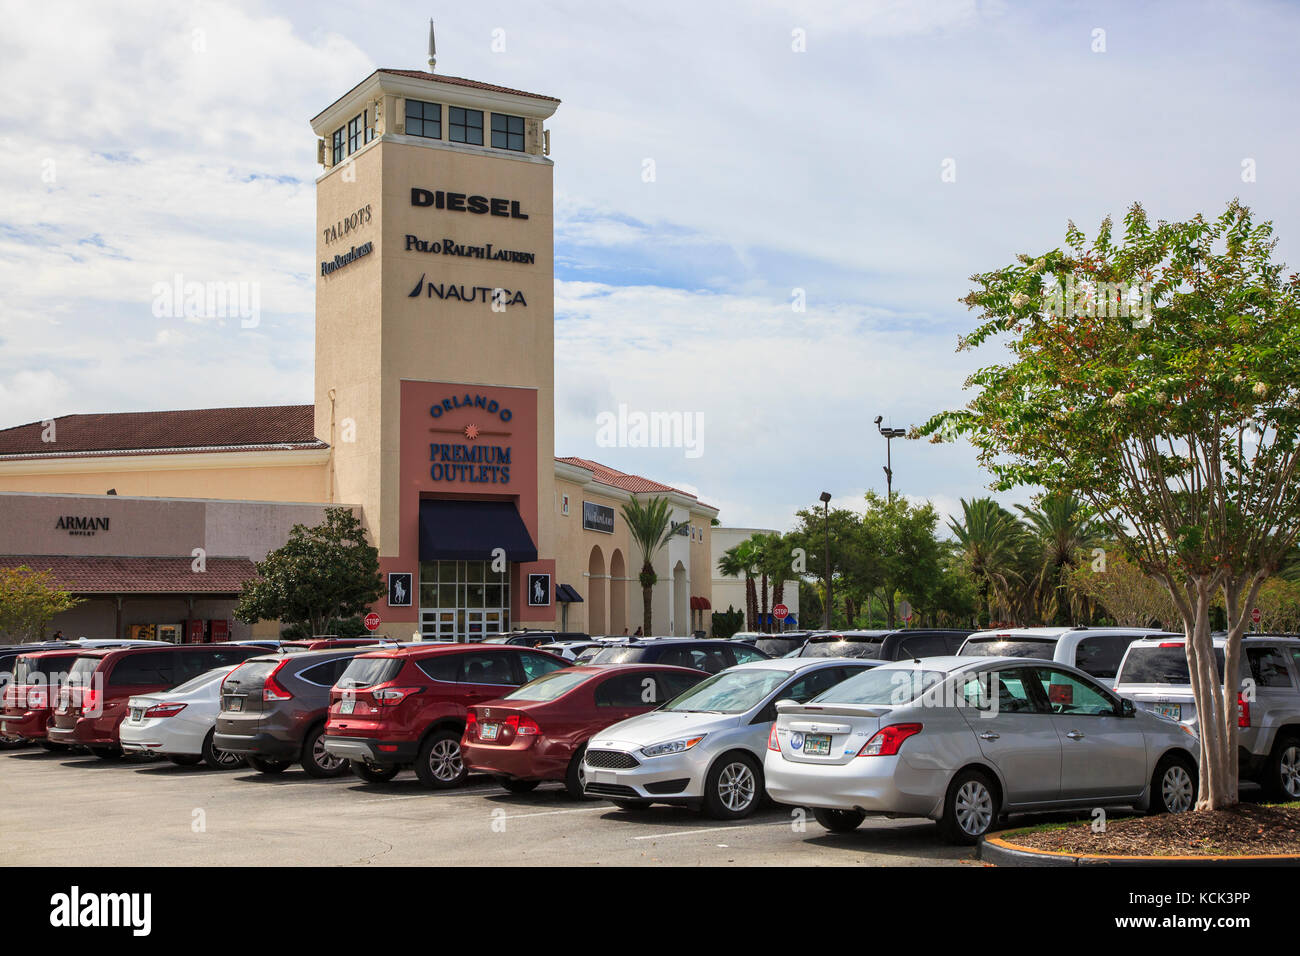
(1244, 829)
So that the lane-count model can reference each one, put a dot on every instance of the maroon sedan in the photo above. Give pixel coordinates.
(540, 730)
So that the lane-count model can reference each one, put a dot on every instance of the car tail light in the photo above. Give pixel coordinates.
(164, 710)
(1171, 643)
(392, 696)
(89, 699)
(524, 726)
(471, 723)
(1243, 711)
(272, 689)
(36, 698)
(772, 743)
(886, 741)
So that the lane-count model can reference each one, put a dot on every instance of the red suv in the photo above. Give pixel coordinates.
(29, 700)
(93, 702)
(405, 706)
(540, 731)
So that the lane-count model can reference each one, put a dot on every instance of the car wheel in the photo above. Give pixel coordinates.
(1173, 785)
(53, 748)
(319, 762)
(1283, 780)
(631, 805)
(518, 786)
(733, 787)
(372, 773)
(219, 759)
(440, 764)
(575, 778)
(839, 821)
(970, 808)
(268, 765)
(185, 760)
(107, 753)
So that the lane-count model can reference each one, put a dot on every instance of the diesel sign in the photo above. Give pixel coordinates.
(459, 202)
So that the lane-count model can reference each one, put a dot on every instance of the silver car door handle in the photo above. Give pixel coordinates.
(1074, 735)
(989, 735)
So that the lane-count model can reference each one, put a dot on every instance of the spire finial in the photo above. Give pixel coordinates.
(433, 48)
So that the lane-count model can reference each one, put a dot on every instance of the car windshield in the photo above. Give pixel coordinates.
(1160, 665)
(617, 655)
(1042, 650)
(368, 671)
(194, 683)
(862, 647)
(888, 686)
(776, 646)
(731, 692)
(548, 686)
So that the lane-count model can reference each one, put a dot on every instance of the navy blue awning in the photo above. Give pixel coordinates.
(472, 530)
(567, 594)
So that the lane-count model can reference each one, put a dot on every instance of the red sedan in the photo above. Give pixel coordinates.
(540, 730)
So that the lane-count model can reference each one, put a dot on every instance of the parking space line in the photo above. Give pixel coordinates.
(551, 813)
(737, 826)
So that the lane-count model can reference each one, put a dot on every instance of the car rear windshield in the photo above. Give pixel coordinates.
(82, 668)
(866, 647)
(548, 686)
(888, 686)
(28, 668)
(1160, 665)
(251, 672)
(207, 677)
(617, 655)
(731, 692)
(1000, 647)
(776, 646)
(368, 671)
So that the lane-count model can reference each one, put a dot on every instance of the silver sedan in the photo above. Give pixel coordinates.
(964, 740)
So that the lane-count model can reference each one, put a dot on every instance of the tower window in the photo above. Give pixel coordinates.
(424, 119)
(508, 132)
(356, 132)
(466, 125)
(339, 146)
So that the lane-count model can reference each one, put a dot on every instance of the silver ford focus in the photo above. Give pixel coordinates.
(964, 740)
(705, 748)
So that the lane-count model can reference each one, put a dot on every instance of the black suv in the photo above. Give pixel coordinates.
(895, 645)
(709, 656)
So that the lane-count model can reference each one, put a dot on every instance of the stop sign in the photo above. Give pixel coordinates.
(371, 621)
(1254, 614)
(780, 612)
(905, 611)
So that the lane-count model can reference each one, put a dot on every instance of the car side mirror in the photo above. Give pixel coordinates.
(1126, 708)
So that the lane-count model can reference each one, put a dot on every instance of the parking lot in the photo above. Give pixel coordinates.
(81, 811)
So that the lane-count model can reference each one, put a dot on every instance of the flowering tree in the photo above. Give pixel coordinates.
(1157, 378)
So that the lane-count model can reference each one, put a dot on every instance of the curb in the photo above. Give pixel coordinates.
(1000, 852)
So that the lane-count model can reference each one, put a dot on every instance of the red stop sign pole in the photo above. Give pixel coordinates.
(371, 621)
(1254, 614)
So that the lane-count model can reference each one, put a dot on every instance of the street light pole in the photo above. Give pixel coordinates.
(890, 434)
(826, 611)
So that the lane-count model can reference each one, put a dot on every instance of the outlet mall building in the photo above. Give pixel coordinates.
(433, 416)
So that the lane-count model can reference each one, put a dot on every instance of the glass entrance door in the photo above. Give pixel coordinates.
(463, 600)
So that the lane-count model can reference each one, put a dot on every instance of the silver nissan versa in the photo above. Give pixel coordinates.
(963, 740)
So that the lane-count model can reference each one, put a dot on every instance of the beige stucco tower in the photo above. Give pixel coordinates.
(435, 340)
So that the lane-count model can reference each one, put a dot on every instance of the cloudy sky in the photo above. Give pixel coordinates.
(795, 146)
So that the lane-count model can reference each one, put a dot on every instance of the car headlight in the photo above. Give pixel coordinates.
(672, 746)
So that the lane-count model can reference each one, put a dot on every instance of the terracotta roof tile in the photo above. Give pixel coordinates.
(620, 479)
(200, 429)
(110, 575)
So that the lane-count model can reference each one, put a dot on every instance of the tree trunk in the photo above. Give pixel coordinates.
(751, 604)
(646, 596)
(767, 622)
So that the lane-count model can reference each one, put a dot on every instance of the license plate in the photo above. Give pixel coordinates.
(1172, 711)
(603, 776)
(234, 703)
(816, 745)
(489, 732)
(347, 706)
(137, 713)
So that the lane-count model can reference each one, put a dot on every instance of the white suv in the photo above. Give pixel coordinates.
(1154, 676)
(1094, 650)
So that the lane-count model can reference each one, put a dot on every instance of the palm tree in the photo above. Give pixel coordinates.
(1061, 527)
(650, 526)
(778, 558)
(990, 541)
(737, 561)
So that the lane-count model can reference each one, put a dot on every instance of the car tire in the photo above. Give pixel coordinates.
(372, 773)
(632, 806)
(185, 760)
(839, 821)
(107, 753)
(54, 748)
(518, 786)
(970, 809)
(1173, 785)
(733, 787)
(574, 777)
(219, 759)
(268, 764)
(440, 764)
(319, 762)
(1282, 780)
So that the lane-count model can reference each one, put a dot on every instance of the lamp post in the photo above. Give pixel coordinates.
(826, 611)
(890, 434)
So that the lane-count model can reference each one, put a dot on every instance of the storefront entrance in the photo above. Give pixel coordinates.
(463, 600)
